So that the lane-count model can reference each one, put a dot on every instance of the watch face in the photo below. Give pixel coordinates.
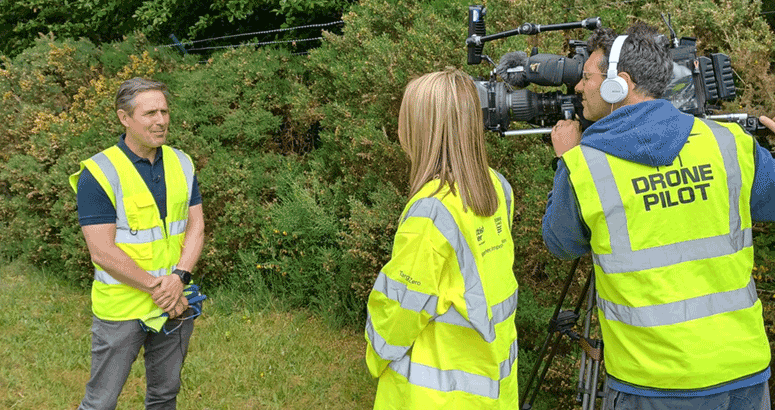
(184, 276)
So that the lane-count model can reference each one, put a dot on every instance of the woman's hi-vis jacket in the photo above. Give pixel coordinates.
(440, 326)
(154, 244)
(673, 253)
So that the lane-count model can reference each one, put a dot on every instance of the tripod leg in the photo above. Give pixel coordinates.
(530, 390)
(587, 385)
(604, 401)
(580, 385)
(595, 377)
(549, 360)
(586, 366)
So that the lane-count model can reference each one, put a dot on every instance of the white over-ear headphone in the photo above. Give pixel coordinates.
(614, 88)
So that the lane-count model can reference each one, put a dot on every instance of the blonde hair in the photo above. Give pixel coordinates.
(440, 128)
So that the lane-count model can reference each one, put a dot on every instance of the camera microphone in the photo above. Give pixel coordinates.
(511, 69)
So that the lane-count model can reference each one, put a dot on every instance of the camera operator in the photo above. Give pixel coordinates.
(665, 203)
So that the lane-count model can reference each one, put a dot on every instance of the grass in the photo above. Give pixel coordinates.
(243, 354)
(239, 357)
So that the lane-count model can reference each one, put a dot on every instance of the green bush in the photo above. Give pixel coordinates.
(57, 111)
(275, 135)
(243, 99)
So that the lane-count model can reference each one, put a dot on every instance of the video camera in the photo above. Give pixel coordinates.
(698, 86)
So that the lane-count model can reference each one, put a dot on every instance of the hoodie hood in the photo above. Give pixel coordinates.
(650, 132)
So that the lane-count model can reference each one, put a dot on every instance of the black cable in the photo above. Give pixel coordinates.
(301, 40)
(255, 33)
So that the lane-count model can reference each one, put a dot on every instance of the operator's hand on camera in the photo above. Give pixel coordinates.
(768, 122)
(566, 134)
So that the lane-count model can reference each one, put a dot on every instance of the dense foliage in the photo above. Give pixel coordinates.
(297, 156)
(99, 21)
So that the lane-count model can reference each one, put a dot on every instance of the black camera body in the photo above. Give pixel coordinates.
(698, 85)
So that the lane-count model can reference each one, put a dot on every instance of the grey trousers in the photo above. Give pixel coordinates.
(115, 346)
(747, 398)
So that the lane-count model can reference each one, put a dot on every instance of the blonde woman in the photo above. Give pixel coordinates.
(440, 325)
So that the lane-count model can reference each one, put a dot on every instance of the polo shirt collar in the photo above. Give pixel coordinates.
(132, 156)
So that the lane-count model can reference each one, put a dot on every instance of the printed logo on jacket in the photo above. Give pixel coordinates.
(685, 185)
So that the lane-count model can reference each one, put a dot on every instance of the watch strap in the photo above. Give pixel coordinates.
(185, 276)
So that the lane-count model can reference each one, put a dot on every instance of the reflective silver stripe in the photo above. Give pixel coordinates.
(111, 174)
(683, 310)
(508, 364)
(667, 255)
(624, 259)
(178, 227)
(104, 277)
(453, 317)
(505, 309)
(507, 194)
(455, 380)
(418, 302)
(726, 142)
(407, 298)
(188, 171)
(500, 313)
(384, 349)
(138, 237)
(476, 303)
(613, 206)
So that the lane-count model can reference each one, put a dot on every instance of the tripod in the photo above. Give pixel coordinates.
(562, 323)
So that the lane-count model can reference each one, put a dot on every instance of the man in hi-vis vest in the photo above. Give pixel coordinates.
(664, 202)
(140, 211)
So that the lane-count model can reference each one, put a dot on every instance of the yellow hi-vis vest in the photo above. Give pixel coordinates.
(140, 232)
(440, 327)
(673, 254)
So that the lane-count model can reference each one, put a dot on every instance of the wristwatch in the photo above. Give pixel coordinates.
(185, 276)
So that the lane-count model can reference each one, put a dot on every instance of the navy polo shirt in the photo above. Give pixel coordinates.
(94, 205)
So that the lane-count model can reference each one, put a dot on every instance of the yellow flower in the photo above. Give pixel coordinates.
(26, 85)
